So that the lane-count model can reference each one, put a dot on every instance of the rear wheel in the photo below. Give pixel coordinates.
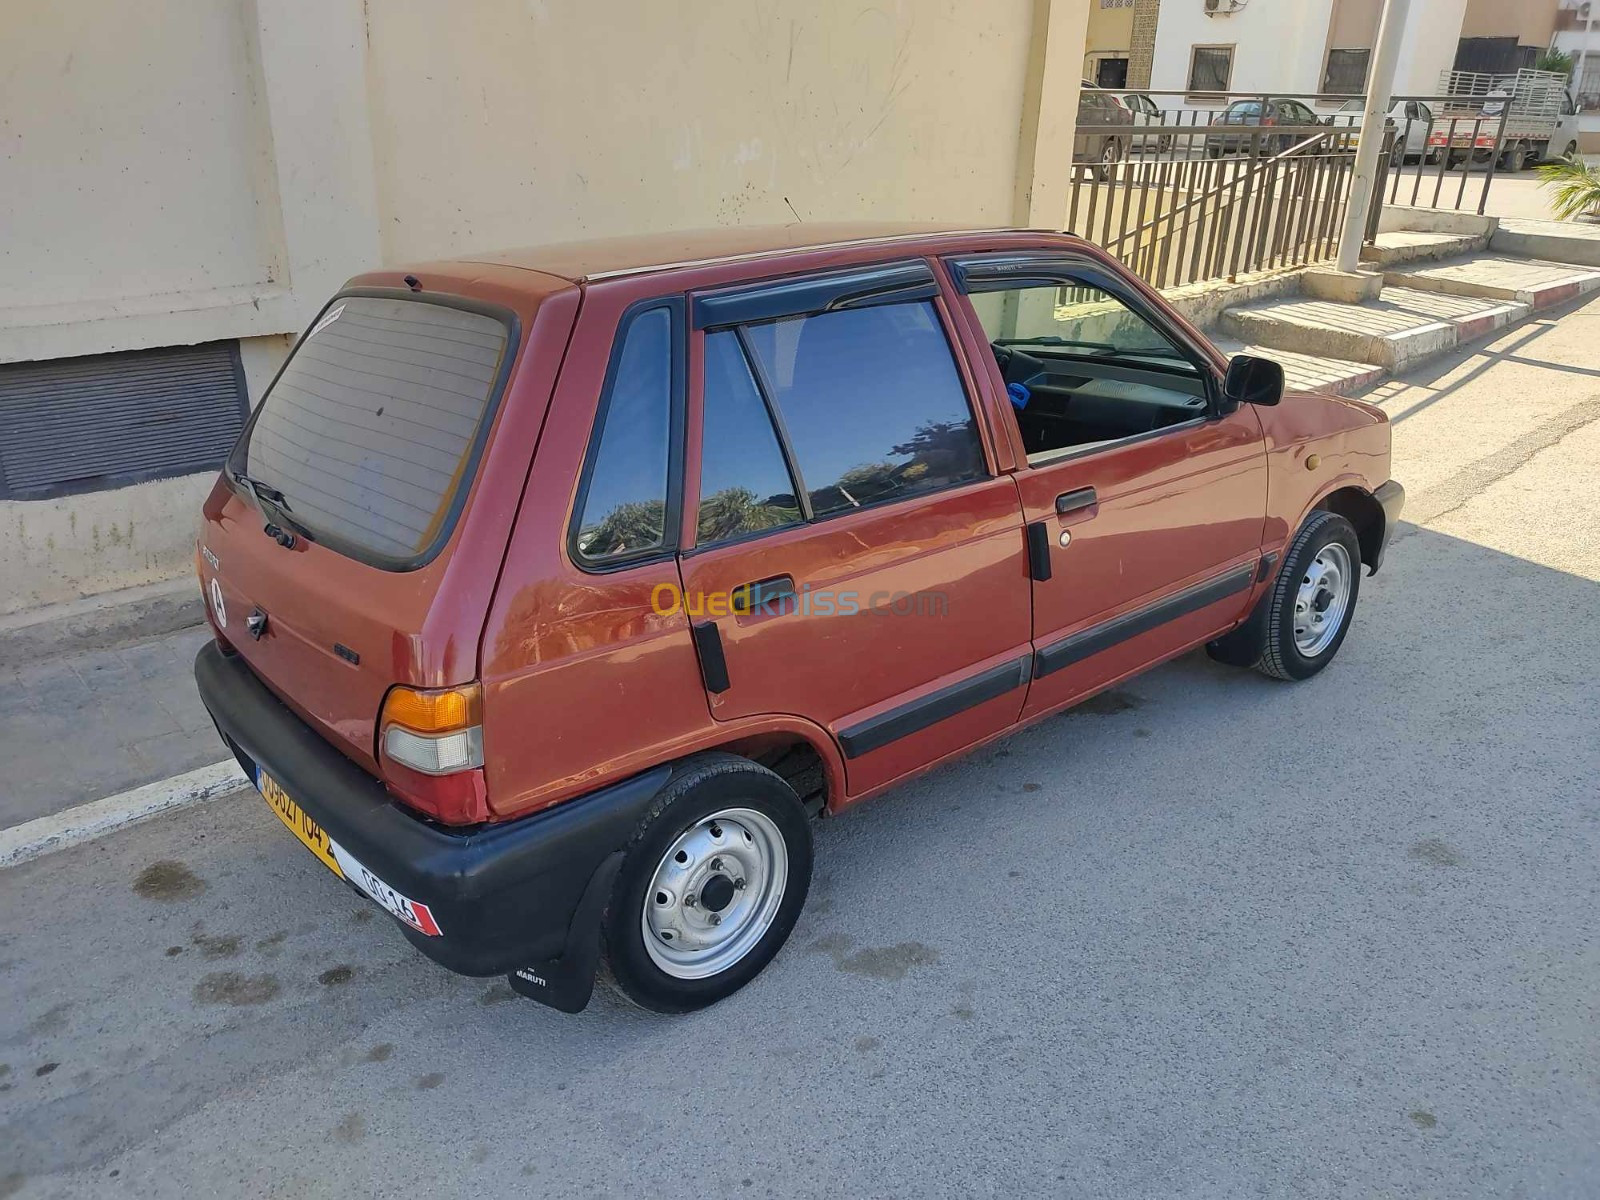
(1516, 157)
(711, 885)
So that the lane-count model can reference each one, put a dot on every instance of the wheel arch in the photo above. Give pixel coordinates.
(1358, 506)
(802, 754)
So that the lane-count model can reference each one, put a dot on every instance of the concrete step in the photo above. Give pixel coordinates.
(1308, 372)
(1575, 242)
(1401, 327)
(1411, 245)
(1499, 277)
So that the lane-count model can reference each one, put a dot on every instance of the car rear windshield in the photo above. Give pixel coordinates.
(1245, 108)
(371, 430)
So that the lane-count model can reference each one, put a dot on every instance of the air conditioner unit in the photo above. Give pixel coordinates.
(1223, 8)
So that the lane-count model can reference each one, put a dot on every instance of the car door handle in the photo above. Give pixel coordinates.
(752, 597)
(1069, 502)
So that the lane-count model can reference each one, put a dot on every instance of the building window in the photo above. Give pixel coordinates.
(1111, 74)
(1346, 73)
(1210, 69)
(71, 425)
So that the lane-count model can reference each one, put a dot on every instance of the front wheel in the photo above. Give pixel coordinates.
(1110, 156)
(1301, 622)
(711, 885)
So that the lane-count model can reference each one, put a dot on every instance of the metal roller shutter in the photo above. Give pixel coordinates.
(106, 420)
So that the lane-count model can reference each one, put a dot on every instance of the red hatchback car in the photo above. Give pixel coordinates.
(555, 591)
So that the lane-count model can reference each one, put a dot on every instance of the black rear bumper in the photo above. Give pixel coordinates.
(504, 895)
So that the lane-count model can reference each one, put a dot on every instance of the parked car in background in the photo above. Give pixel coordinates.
(554, 592)
(1241, 126)
(1105, 131)
(1145, 116)
(1412, 121)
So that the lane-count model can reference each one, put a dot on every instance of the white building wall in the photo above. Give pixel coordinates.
(1428, 48)
(1280, 46)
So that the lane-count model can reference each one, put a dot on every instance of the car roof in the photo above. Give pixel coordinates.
(604, 257)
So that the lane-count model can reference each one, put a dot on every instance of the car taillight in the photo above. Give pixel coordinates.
(1269, 120)
(436, 731)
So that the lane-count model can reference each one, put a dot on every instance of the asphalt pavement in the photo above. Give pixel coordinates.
(1208, 935)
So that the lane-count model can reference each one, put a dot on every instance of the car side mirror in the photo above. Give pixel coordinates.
(1252, 380)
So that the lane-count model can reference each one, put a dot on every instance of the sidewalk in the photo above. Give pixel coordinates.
(91, 724)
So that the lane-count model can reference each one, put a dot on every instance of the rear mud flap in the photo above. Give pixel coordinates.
(567, 982)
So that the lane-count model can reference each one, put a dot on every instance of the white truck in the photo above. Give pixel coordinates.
(1541, 120)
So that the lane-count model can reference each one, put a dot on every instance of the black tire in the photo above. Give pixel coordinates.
(1516, 158)
(700, 787)
(1280, 657)
(1213, 151)
(1571, 150)
(1266, 640)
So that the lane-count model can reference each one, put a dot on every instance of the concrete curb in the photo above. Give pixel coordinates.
(85, 822)
(99, 621)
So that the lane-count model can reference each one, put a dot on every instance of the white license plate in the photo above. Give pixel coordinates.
(341, 862)
(413, 912)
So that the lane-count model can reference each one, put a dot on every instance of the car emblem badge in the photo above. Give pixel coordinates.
(256, 623)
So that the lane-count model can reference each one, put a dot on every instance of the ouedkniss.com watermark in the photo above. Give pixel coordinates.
(768, 600)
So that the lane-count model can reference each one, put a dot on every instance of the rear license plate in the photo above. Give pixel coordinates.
(340, 861)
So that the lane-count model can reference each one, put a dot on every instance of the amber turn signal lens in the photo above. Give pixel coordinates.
(436, 711)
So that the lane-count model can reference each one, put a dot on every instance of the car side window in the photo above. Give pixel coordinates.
(1083, 369)
(871, 401)
(744, 481)
(623, 509)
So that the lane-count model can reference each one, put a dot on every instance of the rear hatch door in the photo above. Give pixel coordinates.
(356, 535)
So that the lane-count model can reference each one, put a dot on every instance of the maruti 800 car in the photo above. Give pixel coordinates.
(556, 591)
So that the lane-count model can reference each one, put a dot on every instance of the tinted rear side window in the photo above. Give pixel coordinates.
(872, 403)
(624, 506)
(370, 430)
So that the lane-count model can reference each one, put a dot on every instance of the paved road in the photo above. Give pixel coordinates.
(1208, 936)
(134, 704)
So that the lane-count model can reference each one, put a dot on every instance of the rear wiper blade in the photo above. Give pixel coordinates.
(275, 510)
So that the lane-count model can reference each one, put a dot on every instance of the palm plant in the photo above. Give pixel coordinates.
(1555, 60)
(1576, 186)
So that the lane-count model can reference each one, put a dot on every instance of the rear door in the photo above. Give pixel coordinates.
(853, 557)
(1146, 501)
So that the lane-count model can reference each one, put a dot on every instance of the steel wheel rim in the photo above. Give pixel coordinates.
(1322, 599)
(715, 893)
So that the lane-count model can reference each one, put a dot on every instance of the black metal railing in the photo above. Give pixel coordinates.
(1190, 202)
(1187, 187)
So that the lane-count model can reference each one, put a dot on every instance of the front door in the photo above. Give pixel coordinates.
(1145, 500)
(854, 560)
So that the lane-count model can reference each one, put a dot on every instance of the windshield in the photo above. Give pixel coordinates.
(367, 436)
(1354, 106)
(1078, 321)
